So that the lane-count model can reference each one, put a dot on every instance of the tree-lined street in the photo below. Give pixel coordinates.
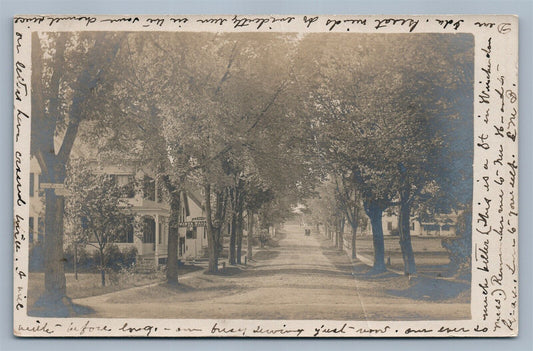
(302, 278)
(335, 132)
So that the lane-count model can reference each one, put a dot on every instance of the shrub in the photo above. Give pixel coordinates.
(459, 248)
(129, 255)
(86, 261)
(113, 257)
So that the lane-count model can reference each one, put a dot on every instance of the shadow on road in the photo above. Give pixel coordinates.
(429, 289)
(292, 271)
(265, 255)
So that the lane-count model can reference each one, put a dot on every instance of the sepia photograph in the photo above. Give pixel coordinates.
(280, 176)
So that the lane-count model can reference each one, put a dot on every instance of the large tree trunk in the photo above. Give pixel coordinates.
(54, 270)
(250, 235)
(232, 238)
(375, 213)
(354, 232)
(102, 266)
(173, 234)
(53, 300)
(405, 239)
(341, 234)
(239, 230)
(212, 240)
(75, 261)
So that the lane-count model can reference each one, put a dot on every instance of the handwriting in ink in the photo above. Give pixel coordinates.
(501, 93)
(513, 167)
(87, 19)
(499, 297)
(383, 23)
(148, 329)
(18, 172)
(503, 28)
(36, 328)
(310, 20)
(280, 331)
(486, 181)
(370, 330)
(499, 159)
(20, 298)
(222, 330)
(219, 21)
(20, 116)
(326, 330)
(157, 21)
(19, 40)
(483, 256)
(485, 292)
(333, 22)
(179, 20)
(485, 93)
(417, 331)
(121, 19)
(450, 22)
(447, 330)
(20, 81)
(37, 20)
(20, 273)
(483, 143)
(484, 24)
(484, 216)
(486, 116)
(86, 328)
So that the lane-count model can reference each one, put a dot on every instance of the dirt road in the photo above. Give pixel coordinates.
(302, 278)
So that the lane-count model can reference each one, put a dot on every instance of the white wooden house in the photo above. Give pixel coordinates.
(149, 228)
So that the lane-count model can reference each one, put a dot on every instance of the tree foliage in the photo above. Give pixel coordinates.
(96, 211)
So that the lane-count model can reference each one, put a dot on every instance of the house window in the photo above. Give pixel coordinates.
(127, 237)
(389, 226)
(446, 227)
(412, 225)
(32, 184)
(160, 233)
(129, 233)
(148, 230)
(31, 230)
(191, 233)
(431, 227)
(40, 229)
(149, 188)
(39, 185)
(181, 246)
(127, 183)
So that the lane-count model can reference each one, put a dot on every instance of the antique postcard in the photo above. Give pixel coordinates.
(265, 176)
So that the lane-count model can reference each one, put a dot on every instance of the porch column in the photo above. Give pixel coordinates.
(138, 233)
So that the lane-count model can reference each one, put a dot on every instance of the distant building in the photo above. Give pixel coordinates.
(193, 232)
(439, 225)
